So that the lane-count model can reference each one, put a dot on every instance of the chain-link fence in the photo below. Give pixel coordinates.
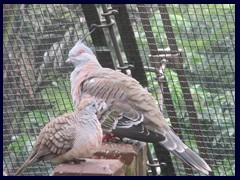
(183, 54)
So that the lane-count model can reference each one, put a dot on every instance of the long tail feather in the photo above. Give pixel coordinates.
(178, 148)
(192, 159)
(24, 166)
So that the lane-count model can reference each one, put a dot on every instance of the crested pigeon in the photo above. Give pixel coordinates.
(126, 109)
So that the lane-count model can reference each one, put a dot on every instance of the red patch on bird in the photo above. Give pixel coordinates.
(80, 52)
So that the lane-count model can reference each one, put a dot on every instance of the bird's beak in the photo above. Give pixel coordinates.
(68, 61)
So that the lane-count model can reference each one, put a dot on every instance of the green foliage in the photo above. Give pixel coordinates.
(206, 35)
(225, 168)
(21, 144)
(58, 94)
(59, 97)
(152, 84)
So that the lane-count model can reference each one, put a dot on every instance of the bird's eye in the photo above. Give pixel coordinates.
(80, 52)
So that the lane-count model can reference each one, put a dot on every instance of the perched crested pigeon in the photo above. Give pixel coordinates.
(126, 109)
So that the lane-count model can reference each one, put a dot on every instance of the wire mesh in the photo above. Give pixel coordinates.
(37, 39)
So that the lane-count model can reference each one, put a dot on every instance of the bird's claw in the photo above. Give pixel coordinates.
(78, 161)
(110, 138)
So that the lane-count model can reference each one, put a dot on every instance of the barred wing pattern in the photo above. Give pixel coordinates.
(128, 110)
(67, 137)
(125, 108)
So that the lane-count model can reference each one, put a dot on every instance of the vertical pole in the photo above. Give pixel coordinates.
(184, 84)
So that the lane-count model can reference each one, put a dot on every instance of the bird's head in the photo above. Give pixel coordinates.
(80, 54)
(89, 104)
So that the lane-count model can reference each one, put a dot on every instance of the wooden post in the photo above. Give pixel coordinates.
(112, 159)
(91, 167)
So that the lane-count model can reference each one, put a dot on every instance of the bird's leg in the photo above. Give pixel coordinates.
(110, 137)
(78, 160)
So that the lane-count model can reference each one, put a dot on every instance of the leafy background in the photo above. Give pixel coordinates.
(37, 39)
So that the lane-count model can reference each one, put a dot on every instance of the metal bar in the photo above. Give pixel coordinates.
(163, 153)
(98, 37)
(184, 84)
(147, 28)
(168, 28)
(94, 27)
(150, 159)
(112, 34)
(166, 158)
(129, 43)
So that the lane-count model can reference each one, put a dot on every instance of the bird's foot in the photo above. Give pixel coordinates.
(110, 138)
(78, 160)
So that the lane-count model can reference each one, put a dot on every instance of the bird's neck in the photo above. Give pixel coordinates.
(79, 74)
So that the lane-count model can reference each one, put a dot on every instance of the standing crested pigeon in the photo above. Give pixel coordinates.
(68, 137)
(126, 109)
